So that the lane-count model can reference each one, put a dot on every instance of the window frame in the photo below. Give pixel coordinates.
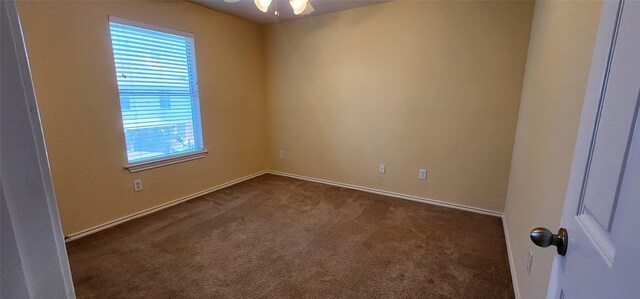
(174, 158)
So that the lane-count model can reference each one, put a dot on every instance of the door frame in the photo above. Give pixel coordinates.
(595, 92)
(43, 274)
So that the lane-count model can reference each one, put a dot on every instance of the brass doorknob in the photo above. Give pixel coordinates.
(545, 238)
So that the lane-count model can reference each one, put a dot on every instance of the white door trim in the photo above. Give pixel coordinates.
(36, 227)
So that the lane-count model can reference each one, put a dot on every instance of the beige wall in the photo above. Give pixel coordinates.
(413, 84)
(72, 66)
(560, 52)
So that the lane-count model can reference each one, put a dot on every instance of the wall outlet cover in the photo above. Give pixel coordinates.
(422, 174)
(137, 185)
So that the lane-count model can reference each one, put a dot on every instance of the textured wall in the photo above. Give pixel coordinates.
(413, 84)
(69, 48)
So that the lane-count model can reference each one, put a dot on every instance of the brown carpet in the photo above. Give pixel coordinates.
(277, 237)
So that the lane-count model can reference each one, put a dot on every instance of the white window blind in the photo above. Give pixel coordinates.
(156, 75)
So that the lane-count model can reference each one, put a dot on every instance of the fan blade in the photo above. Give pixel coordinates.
(309, 9)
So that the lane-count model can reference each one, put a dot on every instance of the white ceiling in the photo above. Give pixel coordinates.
(247, 10)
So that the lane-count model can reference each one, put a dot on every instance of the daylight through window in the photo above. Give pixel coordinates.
(156, 75)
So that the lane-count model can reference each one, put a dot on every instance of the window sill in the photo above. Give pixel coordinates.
(160, 162)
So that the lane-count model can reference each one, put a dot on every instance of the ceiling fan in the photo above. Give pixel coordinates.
(300, 7)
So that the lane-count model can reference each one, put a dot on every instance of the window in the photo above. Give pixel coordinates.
(156, 75)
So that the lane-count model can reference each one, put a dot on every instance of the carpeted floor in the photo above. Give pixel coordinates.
(278, 237)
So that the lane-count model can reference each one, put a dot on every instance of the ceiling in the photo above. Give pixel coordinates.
(247, 10)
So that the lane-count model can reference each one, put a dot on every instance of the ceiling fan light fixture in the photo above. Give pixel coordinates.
(298, 5)
(262, 5)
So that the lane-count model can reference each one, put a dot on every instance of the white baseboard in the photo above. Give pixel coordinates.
(112, 223)
(157, 208)
(514, 278)
(392, 194)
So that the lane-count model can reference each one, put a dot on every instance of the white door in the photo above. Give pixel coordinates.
(602, 207)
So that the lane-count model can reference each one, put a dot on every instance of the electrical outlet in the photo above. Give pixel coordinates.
(281, 154)
(529, 262)
(382, 168)
(137, 185)
(422, 174)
